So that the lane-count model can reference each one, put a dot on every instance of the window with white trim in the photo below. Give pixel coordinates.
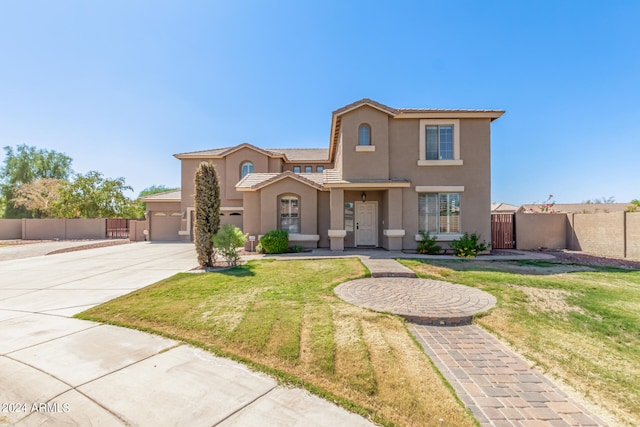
(290, 214)
(439, 142)
(439, 213)
(364, 135)
(246, 168)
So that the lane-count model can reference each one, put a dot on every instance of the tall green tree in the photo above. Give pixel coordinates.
(94, 196)
(207, 210)
(24, 165)
(38, 196)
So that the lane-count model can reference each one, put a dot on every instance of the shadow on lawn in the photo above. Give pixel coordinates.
(534, 268)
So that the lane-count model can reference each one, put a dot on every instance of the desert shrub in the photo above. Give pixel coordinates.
(275, 242)
(427, 244)
(468, 246)
(227, 241)
(296, 248)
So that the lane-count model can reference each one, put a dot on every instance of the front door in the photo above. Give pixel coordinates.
(366, 224)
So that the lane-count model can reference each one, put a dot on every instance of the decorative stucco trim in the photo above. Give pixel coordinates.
(393, 233)
(304, 237)
(442, 237)
(337, 233)
(404, 184)
(439, 188)
(365, 148)
(440, 162)
(231, 209)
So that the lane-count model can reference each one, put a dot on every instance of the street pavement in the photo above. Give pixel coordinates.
(57, 370)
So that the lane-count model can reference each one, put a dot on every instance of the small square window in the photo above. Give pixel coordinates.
(319, 169)
(296, 169)
(308, 169)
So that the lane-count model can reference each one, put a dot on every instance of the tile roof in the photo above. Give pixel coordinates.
(167, 196)
(255, 181)
(303, 154)
(291, 154)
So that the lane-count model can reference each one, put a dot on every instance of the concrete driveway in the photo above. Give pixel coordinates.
(62, 371)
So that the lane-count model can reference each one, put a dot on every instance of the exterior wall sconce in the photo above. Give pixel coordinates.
(364, 196)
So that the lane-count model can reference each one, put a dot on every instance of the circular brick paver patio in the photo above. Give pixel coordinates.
(423, 301)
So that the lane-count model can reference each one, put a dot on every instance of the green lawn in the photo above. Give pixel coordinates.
(282, 317)
(581, 324)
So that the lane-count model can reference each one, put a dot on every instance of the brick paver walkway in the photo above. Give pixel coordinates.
(495, 384)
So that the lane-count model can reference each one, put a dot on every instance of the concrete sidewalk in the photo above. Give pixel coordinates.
(63, 371)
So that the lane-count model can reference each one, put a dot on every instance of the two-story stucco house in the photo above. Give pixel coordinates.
(387, 175)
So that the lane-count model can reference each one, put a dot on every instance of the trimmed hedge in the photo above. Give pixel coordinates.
(275, 242)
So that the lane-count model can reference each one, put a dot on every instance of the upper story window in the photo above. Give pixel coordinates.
(440, 142)
(319, 169)
(296, 169)
(290, 214)
(308, 169)
(364, 135)
(246, 168)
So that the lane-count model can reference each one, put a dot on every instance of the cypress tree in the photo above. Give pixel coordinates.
(207, 210)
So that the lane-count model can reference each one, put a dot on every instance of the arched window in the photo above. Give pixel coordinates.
(290, 214)
(364, 135)
(247, 167)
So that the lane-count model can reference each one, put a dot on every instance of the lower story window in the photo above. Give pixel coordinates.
(439, 212)
(290, 214)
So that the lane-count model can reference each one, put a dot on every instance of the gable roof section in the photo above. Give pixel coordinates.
(402, 113)
(222, 152)
(256, 181)
(167, 196)
(302, 155)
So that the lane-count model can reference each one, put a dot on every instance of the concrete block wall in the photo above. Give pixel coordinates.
(613, 234)
(535, 231)
(10, 229)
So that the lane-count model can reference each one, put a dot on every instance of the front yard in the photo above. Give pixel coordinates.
(578, 323)
(282, 317)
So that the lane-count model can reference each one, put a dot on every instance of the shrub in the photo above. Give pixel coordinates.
(227, 241)
(427, 244)
(468, 247)
(296, 248)
(275, 242)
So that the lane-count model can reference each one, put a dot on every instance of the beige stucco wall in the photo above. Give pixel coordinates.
(269, 198)
(324, 218)
(535, 231)
(136, 230)
(474, 174)
(600, 233)
(86, 228)
(633, 235)
(10, 229)
(36, 229)
(365, 164)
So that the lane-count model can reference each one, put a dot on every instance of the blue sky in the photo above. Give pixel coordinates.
(120, 86)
